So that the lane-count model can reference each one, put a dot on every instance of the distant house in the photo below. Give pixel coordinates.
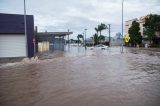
(89, 42)
(12, 37)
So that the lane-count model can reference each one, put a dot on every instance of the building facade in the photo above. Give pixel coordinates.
(13, 42)
(128, 24)
(141, 22)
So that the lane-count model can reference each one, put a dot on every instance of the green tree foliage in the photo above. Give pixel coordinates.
(79, 36)
(152, 25)
(101, 38)
(95, 38)
(102, 27)
(96, 29)
(134, 33)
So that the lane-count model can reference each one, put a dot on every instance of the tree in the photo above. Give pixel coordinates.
(102, 27)
(96, 29)
(79, 36)
(152, 25)
(134, 33)
(95, 38)
(101, 38)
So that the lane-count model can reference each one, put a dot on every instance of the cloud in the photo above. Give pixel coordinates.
(76, 15)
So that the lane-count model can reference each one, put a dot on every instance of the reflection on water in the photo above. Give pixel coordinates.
(84, 78)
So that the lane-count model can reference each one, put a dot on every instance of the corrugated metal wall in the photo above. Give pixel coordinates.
(58, 44)
(12, 45)
(55, 43)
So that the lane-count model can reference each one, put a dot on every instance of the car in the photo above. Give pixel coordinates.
(100, 46)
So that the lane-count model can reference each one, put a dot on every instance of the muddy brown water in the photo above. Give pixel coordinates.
(91, 78)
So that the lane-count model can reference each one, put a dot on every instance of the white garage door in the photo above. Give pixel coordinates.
(12, 45)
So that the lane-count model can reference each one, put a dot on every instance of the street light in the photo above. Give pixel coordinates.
(85, 37)
(25, 28)
(122, 25)
(68, 39)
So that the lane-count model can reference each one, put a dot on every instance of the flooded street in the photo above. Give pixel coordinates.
(84, 78)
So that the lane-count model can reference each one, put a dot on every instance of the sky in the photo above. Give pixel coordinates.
(77, 15)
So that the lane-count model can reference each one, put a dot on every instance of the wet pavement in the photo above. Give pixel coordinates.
(84, 78)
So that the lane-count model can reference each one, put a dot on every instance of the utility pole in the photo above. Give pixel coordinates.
(109, 28)
(35, 42)
(68, 39)
(122, 26)
(25, 28)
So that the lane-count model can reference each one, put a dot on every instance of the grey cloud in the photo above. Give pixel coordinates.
(59, 15)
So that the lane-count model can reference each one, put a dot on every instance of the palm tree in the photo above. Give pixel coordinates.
(79, 36)
(96, 29)
(102, 27)
(95, 38)
(101, 38)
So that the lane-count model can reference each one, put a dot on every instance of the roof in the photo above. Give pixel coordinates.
(132, 20)
(140, 19)
(54, 33)
(14, 23)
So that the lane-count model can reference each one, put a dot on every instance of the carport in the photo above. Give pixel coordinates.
(50, 41)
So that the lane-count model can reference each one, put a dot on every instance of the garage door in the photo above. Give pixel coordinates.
(12, 45)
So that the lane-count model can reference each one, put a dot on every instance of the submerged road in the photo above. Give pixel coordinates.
(91, 78)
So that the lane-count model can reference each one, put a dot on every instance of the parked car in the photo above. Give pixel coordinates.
(100, 47)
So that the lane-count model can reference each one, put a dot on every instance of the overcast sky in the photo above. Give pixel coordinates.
(76, 15)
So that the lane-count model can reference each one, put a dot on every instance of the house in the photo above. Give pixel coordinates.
(13, 42)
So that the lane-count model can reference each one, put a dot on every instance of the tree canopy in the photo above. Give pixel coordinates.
(134, 33)
(97, 37)
(79, 36)
(97, 30)
(101, 38)
(102, 27)
(152, 25)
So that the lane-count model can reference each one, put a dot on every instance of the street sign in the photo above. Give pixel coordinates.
(33, 40)
(127, 38)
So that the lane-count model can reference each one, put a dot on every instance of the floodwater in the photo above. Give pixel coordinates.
(84, 78)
